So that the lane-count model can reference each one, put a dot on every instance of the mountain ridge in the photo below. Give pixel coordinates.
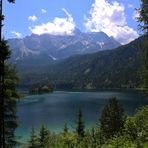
(60, 47)
(117, 68)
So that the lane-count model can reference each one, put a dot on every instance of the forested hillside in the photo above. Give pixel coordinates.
(117, 68)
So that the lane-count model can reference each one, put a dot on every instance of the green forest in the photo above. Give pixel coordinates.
(92, 71)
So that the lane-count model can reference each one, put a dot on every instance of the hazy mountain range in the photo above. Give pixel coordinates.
(84, 60)
(55, 47)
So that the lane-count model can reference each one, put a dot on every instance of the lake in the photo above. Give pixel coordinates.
(60, 107)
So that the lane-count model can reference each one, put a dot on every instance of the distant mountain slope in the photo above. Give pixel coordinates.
(54, 47)
(116, 68)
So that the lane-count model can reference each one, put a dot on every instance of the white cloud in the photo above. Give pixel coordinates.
(130, 6)
(32, 18)
(110, 18)
(59, 26)
(43, 10)
(17, 34)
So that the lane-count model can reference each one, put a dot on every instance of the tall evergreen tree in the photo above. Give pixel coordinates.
(99, 134)
(112, 118)
(43, 136)
(11, 96)
(8, 102)
(143, 19)
(93, 137)
(65, 130)
(80, 128)
(33, 142)
(3, 56)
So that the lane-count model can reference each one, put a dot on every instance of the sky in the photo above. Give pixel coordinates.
(117, 18)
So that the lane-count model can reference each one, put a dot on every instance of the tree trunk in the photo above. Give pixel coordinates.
(2, 127)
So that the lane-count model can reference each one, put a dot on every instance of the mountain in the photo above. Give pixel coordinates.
(47, 47)
(117, 68)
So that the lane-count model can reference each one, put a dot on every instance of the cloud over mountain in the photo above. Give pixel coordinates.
(110, 18)
(17, 34)
(59, 26)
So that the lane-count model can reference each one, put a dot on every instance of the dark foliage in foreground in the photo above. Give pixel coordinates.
(134, 133)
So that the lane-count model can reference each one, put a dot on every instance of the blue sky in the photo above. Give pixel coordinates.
(114, 17)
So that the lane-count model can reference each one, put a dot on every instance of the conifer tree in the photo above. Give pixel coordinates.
(143, 20)
(65, 130)
(43, 136)
(7, 101)
(93, 137)
(80, 128)
(143, 16)
(99, 135)
(11, 96)
(112, 118)
(33, 142)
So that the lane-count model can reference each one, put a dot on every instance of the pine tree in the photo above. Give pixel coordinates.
(93, 137)
(8, 100)
(65, 137)
(11, 96)
(43, 136)
(3, 56)
(80, 129)
(112, 118)
(65, 130)
(99, 135)
(33, 142)
(143, 19)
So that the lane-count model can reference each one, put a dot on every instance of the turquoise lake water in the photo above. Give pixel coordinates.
(60, 107)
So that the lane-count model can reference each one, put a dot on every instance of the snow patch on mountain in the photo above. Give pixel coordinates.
(101, 44)
(52, 57)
